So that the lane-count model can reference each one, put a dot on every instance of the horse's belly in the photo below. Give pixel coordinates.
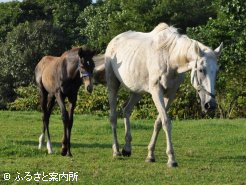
(133, 78)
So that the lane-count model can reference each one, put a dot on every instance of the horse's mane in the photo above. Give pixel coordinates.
(177, 45)
(71, 53)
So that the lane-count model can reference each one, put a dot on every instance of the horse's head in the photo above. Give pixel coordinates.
(86, 67)
(203, 75)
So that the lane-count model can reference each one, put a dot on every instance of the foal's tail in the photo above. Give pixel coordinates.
(99, 71)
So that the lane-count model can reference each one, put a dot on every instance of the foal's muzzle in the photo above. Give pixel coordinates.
(89, 88)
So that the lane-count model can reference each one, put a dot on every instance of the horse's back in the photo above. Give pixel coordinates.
(127, 55)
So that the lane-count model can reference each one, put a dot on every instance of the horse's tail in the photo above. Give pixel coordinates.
(99, 71)
(99, 74)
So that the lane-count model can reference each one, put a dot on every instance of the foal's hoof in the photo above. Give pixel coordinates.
(172, 164)
(126, 153)
(64, 151)
(69, 154)
(150, 160)
(116, 155)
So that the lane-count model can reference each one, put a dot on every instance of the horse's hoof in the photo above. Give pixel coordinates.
(150, 160)
(126, 153)
(172, 164)
(64, 152)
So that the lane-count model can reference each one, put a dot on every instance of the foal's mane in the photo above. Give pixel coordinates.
(177, 45)
(74, 52)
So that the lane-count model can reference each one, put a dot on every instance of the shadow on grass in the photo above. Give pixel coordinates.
(238, 158)
(73, 145)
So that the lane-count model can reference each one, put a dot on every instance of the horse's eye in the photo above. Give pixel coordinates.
(202, 71)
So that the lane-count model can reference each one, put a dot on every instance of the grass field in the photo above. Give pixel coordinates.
(208, 152)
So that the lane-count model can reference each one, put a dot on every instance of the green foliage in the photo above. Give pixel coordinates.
(227, 28)
(184, 107)
(25, 45)
(65, 13)
(8, 18)
(34, 28)
(28, 99)
(100, 22)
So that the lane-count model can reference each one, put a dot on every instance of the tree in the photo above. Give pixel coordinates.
(24, 47)
(65, 13)
(8, 13)
(100, 22)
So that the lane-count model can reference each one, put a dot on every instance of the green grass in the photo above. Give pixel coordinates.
(207, 151)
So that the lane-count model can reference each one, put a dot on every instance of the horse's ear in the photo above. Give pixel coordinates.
(198, 50)
(218, 50)
(186, 67)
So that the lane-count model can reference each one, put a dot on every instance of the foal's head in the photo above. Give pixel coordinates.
(86, 67)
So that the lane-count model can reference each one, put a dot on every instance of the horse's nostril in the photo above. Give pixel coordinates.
(210, 106)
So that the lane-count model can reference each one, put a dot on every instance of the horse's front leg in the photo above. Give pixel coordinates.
(157, 95)
(65, 119)
(158, 125)
(134, 98)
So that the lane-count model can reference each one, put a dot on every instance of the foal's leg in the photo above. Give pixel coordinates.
(50, 105)
(43, 101)
(157, 95)
(133, 100)
(60, 100)
(72, 103)
(45, 105)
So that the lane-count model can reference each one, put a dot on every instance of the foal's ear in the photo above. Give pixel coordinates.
(86, 52)
(218, 50)
(81, 52)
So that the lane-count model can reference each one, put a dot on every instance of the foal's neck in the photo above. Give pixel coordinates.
(72, 67)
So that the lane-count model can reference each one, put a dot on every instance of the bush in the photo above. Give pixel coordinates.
(185, 105)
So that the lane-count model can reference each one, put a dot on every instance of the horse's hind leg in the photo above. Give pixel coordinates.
(113, 85)
(133, 100)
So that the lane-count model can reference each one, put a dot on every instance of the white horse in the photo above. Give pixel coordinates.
(154, 62)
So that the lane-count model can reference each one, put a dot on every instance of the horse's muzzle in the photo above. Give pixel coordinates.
(211, 105)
